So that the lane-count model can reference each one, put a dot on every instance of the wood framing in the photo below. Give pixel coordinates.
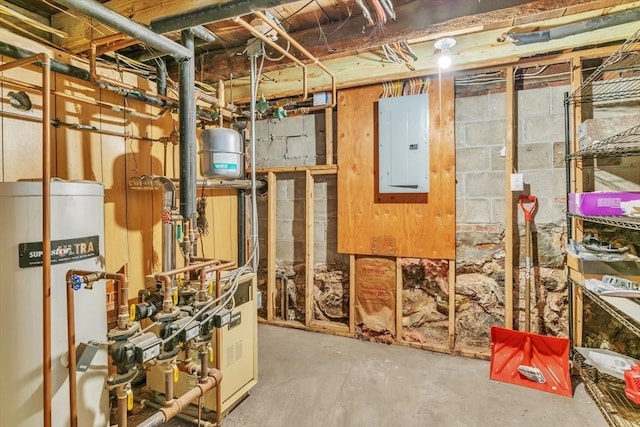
(309, 246)
(328, 135)
(452, 305)
(271, 245)
(398, 300)
(352, 293)
(511, 132)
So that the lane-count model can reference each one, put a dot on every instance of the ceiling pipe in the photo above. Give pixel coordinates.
(579, 27)
(110, 18)
(187, 125)
(277, 47)
(282, 33)
(212, 13)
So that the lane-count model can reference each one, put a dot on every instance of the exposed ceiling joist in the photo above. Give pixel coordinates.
(472, 51)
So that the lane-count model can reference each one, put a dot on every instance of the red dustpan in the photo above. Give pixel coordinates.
(531, 360)
(526, 358)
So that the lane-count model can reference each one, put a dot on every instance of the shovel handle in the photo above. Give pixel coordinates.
(532, 201)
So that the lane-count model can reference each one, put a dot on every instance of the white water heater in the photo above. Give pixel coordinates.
(77, 242)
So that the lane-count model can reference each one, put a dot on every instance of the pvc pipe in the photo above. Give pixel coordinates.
(112, 19)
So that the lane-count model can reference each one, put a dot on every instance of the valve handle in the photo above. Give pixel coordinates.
(75, 281)
(176, 374)
(129, 399)
(210, 353)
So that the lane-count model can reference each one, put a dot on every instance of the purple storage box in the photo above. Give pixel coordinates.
(600, 203)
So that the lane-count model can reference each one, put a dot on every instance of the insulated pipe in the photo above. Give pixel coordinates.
(110, 18)
(277, 47)
(203, 33)
(187, 131)
(282, 33)
(44, 59)
(79, 73)
(161, 77)
(174, 407)
(156, 182)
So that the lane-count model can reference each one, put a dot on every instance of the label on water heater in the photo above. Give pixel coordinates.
(224, 161)
(62, 251)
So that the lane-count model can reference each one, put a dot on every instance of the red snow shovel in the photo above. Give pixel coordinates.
(526, 358)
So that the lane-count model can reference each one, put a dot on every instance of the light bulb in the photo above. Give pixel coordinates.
(444, 61)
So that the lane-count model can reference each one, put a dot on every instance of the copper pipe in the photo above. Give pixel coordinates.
(71, 340)
(45, 60)
(122, 287)
(218, 361)
(282, 33)
(122, 407)
(277, 47)
(93, 73)
(168, 385)
(177, 405)
(88, 277)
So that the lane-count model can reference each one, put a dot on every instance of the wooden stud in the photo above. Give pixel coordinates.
(316, 169)
(329, 326)
(511, 121)
(271, 244)
(309, 246)
(398, 300)
(328, 135)
(452, 304)
(352, 293)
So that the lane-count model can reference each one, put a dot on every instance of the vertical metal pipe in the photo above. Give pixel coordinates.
(242, 229)
(254, 208)
(71, 342)
(161, 77)
(122, 408)
(187, 131)
(46, 237)
(567, 170)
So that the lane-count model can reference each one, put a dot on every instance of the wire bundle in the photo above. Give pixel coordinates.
(412, 86)
(382, 8)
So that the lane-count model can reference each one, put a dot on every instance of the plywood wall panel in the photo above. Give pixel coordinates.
(423, 230)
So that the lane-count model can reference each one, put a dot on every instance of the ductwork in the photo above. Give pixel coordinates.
(574, 28)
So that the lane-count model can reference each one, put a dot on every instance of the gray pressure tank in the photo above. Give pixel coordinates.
(221, 154)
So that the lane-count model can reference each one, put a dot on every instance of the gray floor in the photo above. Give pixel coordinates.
(311, 379)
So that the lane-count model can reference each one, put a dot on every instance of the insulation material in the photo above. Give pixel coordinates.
(425, 300)
(331, 294)
(375, 295)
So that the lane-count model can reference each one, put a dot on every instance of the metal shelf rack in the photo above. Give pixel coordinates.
(608, 394)
(620, 317)
(631, 223)
(625, 143)
(617, 77)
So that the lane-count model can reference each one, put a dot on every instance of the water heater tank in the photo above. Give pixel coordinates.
(221, 154)
(77, 242)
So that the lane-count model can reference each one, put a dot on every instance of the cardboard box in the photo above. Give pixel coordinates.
(600, 203)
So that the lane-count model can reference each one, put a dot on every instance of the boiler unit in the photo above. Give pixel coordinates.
(239, 353)
(77, 242)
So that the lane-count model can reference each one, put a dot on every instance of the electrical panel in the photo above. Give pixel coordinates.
(403, 144)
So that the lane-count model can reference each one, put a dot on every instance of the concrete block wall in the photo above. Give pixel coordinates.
(296, 141)
(480, 130)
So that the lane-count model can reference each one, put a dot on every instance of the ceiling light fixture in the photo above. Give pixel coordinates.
(443, 45)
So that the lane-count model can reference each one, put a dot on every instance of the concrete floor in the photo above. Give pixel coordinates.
(312, 379)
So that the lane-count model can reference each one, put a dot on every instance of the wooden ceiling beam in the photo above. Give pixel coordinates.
(416, 21)
(473, 51)
(81, 30)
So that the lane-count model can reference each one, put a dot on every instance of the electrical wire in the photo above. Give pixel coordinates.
(365, 12)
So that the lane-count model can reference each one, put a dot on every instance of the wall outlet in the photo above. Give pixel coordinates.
(517, 182)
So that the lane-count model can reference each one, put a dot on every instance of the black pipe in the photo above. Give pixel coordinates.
(161, 77)
(187, 120)
(79, 73)
(575, 28)
(213, 13)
